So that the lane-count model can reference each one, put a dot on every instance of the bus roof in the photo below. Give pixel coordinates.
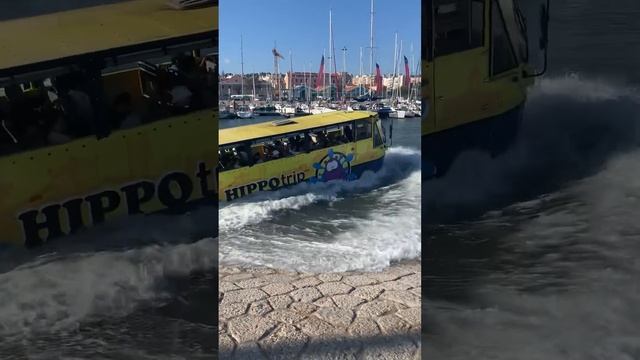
(298, 124)
(87, 30)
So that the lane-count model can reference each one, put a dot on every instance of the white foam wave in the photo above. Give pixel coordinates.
(582, 89)
(62, 291)
(398, 162)
(370, 240)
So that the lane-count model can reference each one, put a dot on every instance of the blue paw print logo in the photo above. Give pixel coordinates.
(333, 166)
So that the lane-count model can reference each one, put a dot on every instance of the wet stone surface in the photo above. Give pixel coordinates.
(272, 314)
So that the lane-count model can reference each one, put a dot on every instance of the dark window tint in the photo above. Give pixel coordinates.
(502, 56)
(477, 23)
(377, 137)
(458, 25)
(363, 129)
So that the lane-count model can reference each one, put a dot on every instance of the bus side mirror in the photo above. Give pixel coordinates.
(544, 27)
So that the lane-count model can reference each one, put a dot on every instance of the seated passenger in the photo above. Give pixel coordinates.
(77, 105)
(257, 159)
(348, 133)
(123, 115)
(59, 133)
(322, 139)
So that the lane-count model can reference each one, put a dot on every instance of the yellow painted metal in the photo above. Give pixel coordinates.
(461, 90)
(34, 179)
(363, 151)
(268, 129)
(86, 30)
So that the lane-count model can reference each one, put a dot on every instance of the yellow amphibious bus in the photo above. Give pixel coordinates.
(338, 145)
(105, 111)
(476, 73)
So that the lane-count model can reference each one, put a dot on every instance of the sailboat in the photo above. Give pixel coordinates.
(244, 111)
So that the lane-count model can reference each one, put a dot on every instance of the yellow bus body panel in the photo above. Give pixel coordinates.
(54, 175)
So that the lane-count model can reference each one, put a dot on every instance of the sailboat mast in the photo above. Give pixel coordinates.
(324, 78)
(253, 78)
(344, 71)
(241, 69)
(360, 87)
(395, 59)
(290, 76)
(330, 52)
(371, 46)
(410, 69)
(398, 70)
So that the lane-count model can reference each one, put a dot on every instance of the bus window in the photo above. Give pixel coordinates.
(502, 54)
(158, 89)
(458, 25)
(363, 129)
(44, 113)
(377, 137)
(234, 156)
(477, 23)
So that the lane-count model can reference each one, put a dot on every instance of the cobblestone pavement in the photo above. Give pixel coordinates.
(273, 314)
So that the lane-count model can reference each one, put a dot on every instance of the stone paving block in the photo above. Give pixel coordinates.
(395, 285)
(364, 327)
(225, 346)
(273, 314)
(286, 316)
(329, 277)
(227, 286)
(229, 310)
(376, 308)
(336, 316)
(411, 316)
(280, 278)
(316, 328)
(280, 301)
(309, 294)
(334, 288)
(306, 282)
(252, 283)
(260, 308)
(392, 325)
(244, 296)
(286, 342)
(324, 302)
(347, 301)
(303, 308)
(403, 297)
(278, 288)
(237, 277)
(359, 280)
(413, 279)
(393, 273)
(249, 327)
(368, 292)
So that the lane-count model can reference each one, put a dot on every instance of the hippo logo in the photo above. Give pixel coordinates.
(333, 166)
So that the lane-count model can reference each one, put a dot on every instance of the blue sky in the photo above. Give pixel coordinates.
(302, 26)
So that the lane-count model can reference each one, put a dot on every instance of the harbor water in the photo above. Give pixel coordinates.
(534, 254)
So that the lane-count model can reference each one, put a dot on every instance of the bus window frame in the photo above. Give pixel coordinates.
(492, 74)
